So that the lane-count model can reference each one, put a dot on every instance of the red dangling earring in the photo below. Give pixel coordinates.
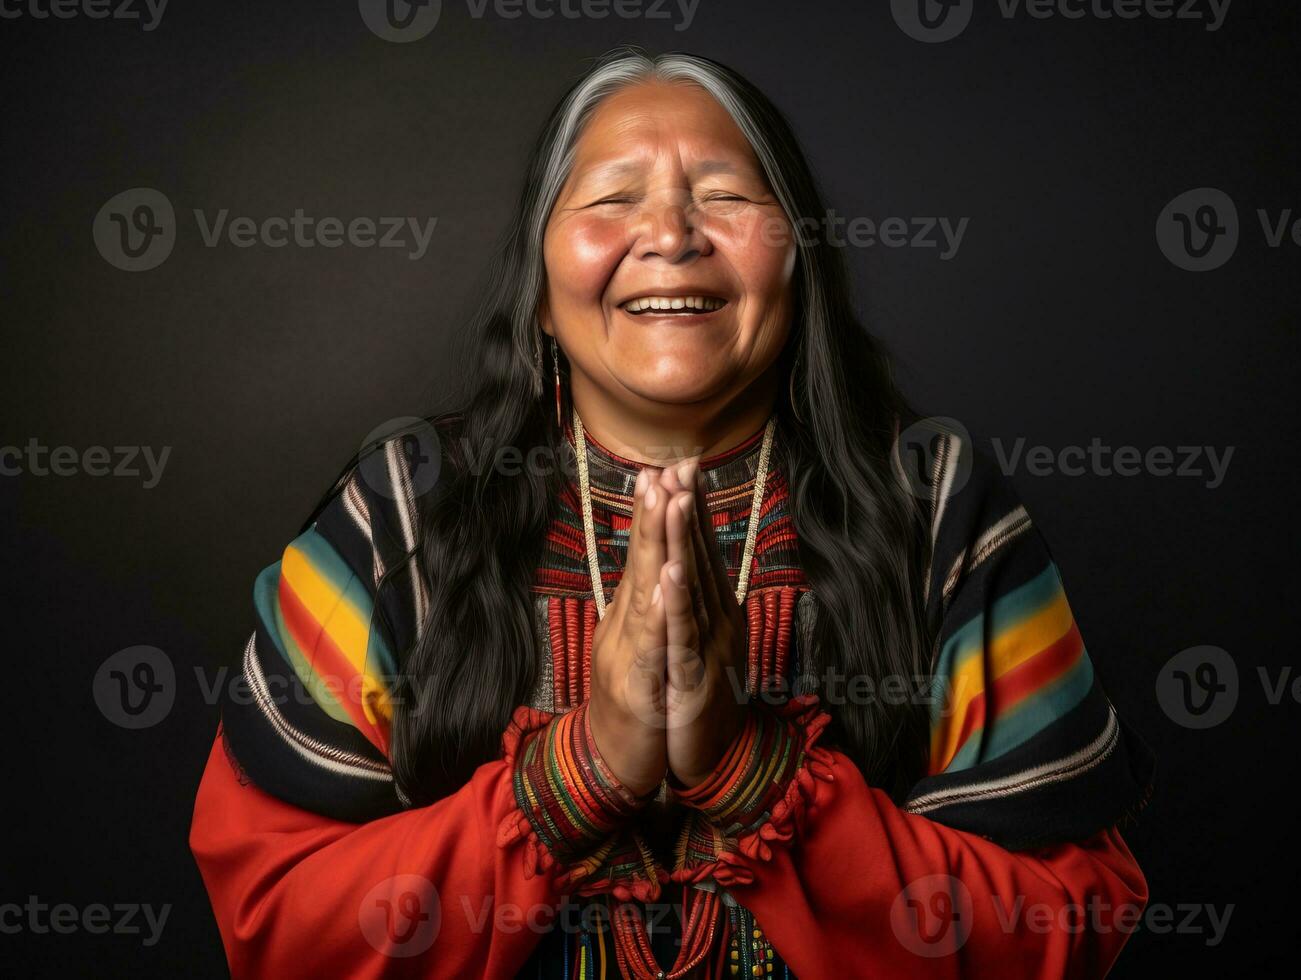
(555, 363)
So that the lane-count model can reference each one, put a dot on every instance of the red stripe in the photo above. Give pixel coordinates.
(327, 662)
(1022, 681)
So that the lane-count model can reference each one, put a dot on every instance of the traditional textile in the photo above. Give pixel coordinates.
(572, 809)
(1026, 751)
(1025, 746)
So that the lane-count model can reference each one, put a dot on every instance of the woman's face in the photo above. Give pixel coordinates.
(667, 201)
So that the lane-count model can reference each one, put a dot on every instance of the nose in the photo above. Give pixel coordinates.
(666, 228)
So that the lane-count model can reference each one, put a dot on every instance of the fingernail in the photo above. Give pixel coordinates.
(685, 504)
(675, 573)
(686, 472)
(640, 485)
(650, 495)
(655, 595)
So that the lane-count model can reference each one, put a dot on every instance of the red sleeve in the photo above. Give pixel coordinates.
(896, 894)
(423, 892)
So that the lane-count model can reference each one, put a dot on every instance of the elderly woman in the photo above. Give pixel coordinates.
(707, 686)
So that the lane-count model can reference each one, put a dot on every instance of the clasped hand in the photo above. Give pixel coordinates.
(668, 656)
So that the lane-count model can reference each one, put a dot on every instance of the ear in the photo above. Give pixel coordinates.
(544, 317)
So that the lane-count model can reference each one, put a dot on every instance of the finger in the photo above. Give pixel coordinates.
(684, 667)
(646, 683)
(679, 475)
(687, 475)
(646, 551)
(681, 549)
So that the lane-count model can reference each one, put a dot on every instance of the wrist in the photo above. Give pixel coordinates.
(572, 798)
(636, 781)
(718, 740)
(750, 776)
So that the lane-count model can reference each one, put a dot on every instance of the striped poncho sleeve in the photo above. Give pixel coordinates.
(1026, 747)
(312, 718)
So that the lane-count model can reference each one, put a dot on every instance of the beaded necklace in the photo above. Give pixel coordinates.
(589, 527)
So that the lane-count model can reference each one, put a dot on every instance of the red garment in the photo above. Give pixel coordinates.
(288, 885)
(289, 888)
(839, 880)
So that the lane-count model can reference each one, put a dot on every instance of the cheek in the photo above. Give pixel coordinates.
(761, 251)
(581, 256)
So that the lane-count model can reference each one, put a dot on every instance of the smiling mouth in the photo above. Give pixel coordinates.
(673, 305)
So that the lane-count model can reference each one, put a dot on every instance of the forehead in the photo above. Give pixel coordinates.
(641, 122)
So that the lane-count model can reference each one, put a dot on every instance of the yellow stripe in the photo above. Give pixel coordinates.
(1010, 648)
(344, 623)
(328, 606)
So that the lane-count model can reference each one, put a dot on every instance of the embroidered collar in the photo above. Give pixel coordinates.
(613, 477)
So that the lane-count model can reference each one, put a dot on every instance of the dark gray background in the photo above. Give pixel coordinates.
(1059, 320)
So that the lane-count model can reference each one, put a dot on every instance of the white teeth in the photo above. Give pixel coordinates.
(702, 303)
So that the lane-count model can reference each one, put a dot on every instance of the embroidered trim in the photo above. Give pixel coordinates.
(313, 750)
(1003, 531)
(757, 796)
(572, 813)
(1056, 771)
